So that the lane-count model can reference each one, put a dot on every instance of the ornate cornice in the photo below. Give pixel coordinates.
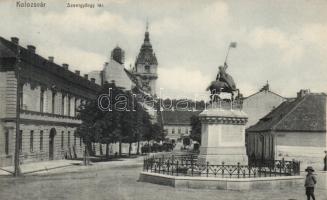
(223, 120)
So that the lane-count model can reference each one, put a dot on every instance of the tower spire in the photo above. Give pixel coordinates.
(147, 25)
(146, 35)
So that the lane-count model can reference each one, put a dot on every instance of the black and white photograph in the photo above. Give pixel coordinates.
(163, 99)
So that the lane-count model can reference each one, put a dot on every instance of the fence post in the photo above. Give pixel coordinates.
(238, 170)
(223, 169)
(155, 166)
(207, 169)
(177, 169)
(168, 166)
(172, 167)
(159, 164)
(192, 168)
(147, 164)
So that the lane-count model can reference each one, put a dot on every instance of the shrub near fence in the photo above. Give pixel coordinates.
(188, 166)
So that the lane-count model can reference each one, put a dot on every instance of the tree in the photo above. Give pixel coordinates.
(196, 128)
(99, 125)
(124, 123)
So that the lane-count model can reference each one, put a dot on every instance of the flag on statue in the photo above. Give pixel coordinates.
(233, 44)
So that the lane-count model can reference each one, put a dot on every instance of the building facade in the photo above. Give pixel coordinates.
(177, 124)
(261, 103)
(294, 130)
(50, 96)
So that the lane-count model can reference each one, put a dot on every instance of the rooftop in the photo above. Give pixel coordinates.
(10, 50)
(305, 113)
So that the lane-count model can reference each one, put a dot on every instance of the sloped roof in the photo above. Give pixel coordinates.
(307, 113)
(9, 52)
(6, 52)
(178, 117)
(271, 92)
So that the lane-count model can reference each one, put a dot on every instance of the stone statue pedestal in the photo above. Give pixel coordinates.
(223, 135)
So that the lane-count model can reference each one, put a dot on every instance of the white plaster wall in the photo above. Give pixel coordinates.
(185, 131)
(260, 104)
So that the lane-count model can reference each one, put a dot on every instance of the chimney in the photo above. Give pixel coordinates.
(31, 48)
(77, 72)
(15, 40)
(303, 92)
(51, 59)
(65, 66)
(92, 80)
(86, 76)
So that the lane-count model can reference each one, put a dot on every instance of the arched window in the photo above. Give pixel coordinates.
(147, 68)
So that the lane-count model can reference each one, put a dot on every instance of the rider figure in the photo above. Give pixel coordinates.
(221, 76)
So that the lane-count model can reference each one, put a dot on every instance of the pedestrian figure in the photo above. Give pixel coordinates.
(310, 183)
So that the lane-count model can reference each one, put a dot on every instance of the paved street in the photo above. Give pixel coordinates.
(117, 180)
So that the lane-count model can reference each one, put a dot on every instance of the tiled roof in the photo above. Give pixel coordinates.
(178, 117)
(307, 113)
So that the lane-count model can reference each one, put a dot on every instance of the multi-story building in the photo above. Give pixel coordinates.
(50, 96)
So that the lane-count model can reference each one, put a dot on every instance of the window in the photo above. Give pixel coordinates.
(75, 108)
(41, 140)
(20, 142)
(42, 101)
(147, 68)
(179, 131)
(68, 109)
(62, 104)
(173, 131)
(7, 142)
(53, 102)
(62, 140)
(31, 140)
(80, 142)
(186, 131)
(68, 141)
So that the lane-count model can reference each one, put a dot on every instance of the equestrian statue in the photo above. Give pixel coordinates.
(224, 82)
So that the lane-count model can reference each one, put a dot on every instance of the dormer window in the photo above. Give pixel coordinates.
(147, 68)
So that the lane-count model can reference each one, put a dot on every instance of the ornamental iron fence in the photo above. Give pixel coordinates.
(189, 166)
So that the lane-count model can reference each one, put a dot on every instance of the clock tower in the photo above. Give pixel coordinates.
(146, 64)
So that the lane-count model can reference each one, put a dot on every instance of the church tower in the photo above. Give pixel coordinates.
(146, 64)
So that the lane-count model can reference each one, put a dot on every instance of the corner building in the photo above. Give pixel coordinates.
(50, 96)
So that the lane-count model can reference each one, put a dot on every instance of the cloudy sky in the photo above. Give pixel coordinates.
(284, 42)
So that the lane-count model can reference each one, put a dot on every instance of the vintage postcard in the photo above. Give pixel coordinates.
(163, 99)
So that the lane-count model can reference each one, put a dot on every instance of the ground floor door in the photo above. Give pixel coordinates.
(51, 143)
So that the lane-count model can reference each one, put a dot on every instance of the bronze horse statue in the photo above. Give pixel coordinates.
(223, 83)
